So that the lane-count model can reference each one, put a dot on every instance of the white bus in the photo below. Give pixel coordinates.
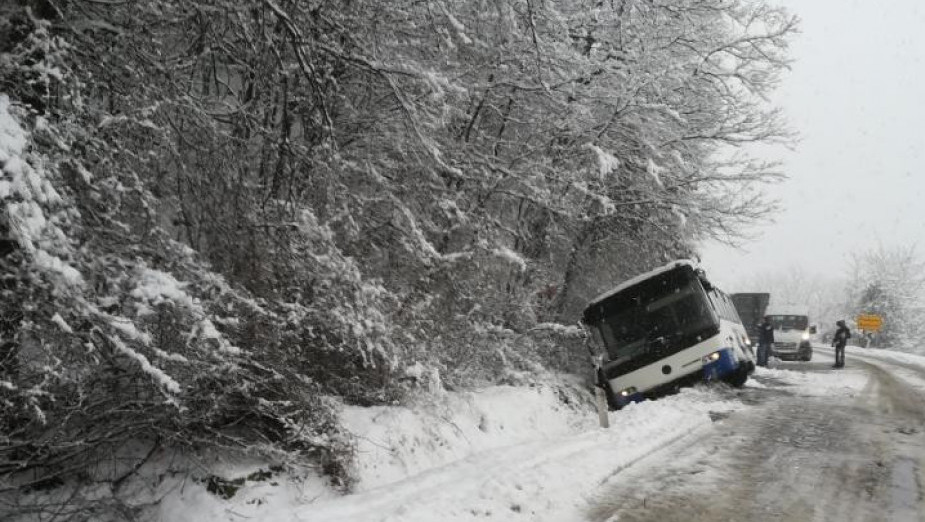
(663, 329)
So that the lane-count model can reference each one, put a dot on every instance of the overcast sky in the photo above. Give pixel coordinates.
(856, 95)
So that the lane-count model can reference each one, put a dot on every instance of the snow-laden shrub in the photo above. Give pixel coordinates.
(113, 338)
(114, 335)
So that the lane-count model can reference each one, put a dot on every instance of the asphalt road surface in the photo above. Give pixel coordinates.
(794, 456)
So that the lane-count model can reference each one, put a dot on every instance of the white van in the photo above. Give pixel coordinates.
(792, 332)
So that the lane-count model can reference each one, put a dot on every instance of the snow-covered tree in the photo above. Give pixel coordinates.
(890, 282)
(221, 214)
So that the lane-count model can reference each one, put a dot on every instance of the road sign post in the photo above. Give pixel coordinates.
(601, 400)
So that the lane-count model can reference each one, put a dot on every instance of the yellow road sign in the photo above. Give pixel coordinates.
(870, 322)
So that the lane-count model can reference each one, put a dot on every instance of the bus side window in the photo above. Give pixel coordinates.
(733, 314)
(729, 309)
(723, 313)
(722, 305)
(714, 302)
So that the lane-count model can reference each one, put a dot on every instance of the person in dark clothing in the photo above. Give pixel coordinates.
(765, 340)
(839, 340)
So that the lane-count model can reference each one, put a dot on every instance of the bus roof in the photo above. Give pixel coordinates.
(640, 278)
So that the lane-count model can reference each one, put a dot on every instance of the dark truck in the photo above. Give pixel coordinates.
(751, 308)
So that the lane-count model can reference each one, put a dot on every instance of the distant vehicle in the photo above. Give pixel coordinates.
(663, 329)
(792, 333)
(751, 308)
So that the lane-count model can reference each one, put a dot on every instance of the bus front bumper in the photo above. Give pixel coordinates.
(719, 364)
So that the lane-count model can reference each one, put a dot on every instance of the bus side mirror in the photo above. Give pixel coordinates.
(812, 329)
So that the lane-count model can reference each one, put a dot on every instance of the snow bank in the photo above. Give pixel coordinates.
(887, 355)
(529, 459)
(394, 443)
(504, 452)
(269, 498)
(906, 366)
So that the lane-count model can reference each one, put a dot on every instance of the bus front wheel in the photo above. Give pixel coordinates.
(739, 376)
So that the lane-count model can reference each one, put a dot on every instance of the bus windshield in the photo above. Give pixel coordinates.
(789, 322)
(664, 314)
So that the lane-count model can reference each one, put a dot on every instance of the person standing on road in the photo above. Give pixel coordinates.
(839, 340)
(765, 340)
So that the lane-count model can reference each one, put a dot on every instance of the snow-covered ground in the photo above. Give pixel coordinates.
(538, 471)
(888, 356)
(503, 453)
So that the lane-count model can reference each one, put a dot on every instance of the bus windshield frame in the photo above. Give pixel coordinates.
(654, 318)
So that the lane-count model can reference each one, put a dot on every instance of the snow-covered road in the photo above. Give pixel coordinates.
(818, 444)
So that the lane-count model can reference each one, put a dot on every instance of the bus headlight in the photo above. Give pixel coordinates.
(626, 392)
(805, 336)
(707, 359)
